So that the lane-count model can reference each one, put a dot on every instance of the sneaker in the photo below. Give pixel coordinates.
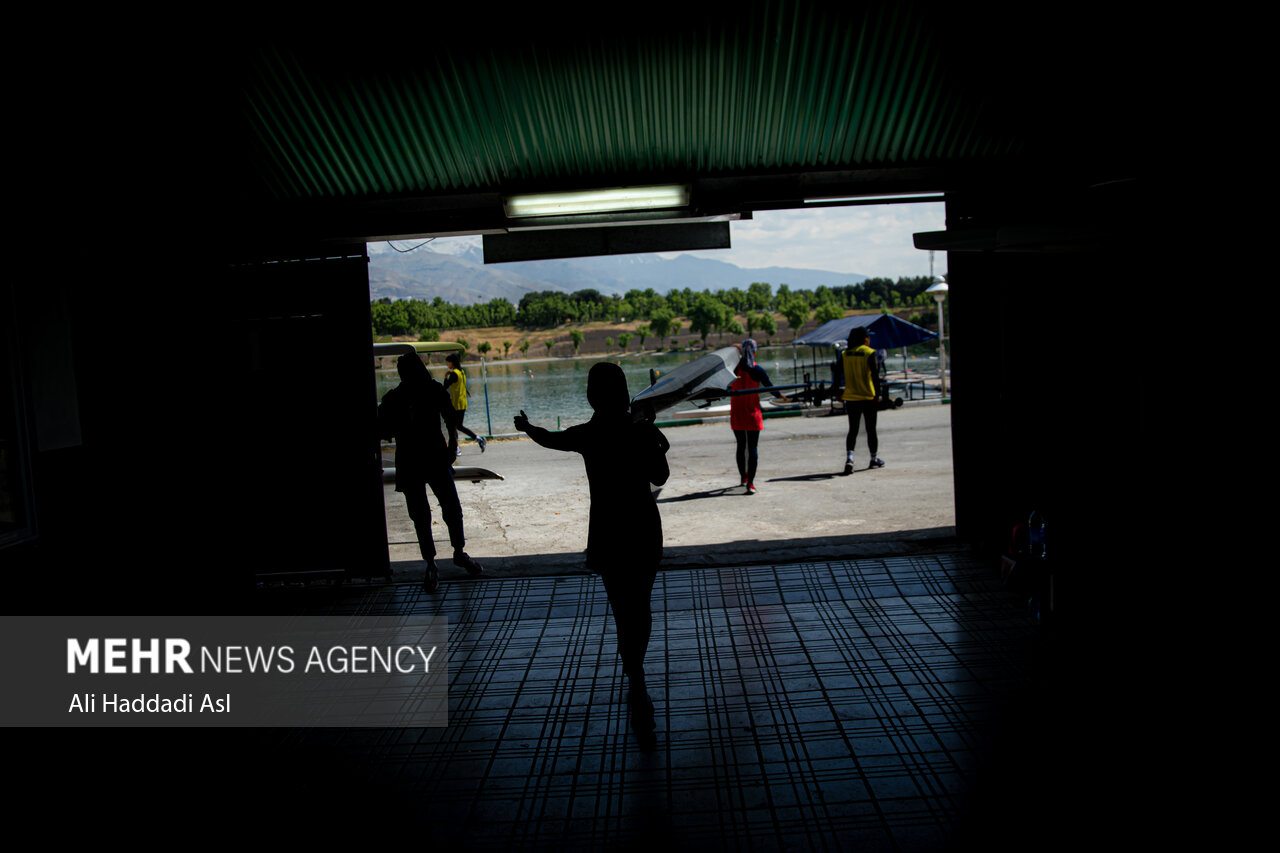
(848, 469)
(461, 560)
(482, 442)
(751, 488)
(431, 580)
(876, 462)
(459, 453)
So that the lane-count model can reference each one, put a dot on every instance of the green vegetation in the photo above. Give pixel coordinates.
(654, 314)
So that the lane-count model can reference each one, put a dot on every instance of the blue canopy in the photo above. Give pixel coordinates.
(887, 332)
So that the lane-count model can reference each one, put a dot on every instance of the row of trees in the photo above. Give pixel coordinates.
(550, 308)
(415, 316)
(707, 310)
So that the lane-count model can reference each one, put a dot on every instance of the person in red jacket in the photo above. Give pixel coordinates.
(745, 415)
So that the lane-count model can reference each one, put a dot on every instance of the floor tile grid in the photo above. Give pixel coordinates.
(798, 717)
(964, 660)
(877, 693)
(786, 752)
(545, 740)
(763, 726)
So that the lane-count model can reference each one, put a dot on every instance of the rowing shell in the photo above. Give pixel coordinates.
(705, 378)
(460, 472)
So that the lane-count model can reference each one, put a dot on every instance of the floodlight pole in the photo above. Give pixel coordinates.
(939, 291)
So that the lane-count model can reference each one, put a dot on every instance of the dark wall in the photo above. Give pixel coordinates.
(194, 424)
(1063, 403)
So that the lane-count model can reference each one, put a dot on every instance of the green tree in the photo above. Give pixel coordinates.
(642, 332)
(524, 346)
(796, 310)
(550, 344)
(576, 336)
(623, 340)
(506, 348)
(759, 296)
(465, 346)
(766, 323)
(661, 321)
(827, 312)
(608, 342)
(706, 314)
(484, 347)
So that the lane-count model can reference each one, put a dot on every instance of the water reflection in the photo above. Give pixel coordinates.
(547, 390)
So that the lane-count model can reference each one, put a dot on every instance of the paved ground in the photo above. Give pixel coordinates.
(534, 521)
(874, 704)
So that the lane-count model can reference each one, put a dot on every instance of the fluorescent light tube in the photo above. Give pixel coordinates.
(597, 201)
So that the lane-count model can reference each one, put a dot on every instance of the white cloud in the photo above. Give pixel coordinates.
(873, 240)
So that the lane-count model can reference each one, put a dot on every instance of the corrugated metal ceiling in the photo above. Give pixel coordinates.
(771, 88)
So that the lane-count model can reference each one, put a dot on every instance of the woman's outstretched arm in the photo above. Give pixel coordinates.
(544, 437)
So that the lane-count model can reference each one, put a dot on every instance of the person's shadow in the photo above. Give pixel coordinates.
(712, 493)
(804, 478)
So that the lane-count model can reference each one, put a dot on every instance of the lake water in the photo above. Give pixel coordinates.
(557, 388)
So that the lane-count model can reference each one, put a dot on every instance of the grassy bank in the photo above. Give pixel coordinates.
(594, 336)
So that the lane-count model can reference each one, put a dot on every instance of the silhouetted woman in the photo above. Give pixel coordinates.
(455, 382)
(746, 418)
(624, 538)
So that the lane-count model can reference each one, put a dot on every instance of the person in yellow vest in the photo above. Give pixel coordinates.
(455, 382)
(860, 378)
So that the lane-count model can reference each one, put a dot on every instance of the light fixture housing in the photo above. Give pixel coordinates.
(614, 200)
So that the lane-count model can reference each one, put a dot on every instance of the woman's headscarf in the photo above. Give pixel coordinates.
(607, 389)
(749, 352)
(411, 369)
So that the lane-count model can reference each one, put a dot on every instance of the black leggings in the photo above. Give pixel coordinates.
(748, 455)
(630, 589)
(859, 409)
(457, 417)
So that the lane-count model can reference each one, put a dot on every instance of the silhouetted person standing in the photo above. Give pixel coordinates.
(624, 539)
(411, 415)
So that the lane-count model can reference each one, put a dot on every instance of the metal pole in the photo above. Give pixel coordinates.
(484, 374)
(942, 345)
(939, 291)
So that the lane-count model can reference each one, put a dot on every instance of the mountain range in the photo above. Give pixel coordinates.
(454, 270)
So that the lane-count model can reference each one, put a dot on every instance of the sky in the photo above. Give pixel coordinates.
(870, 240)
(873, 240)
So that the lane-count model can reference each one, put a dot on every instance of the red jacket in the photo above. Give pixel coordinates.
(744, 410)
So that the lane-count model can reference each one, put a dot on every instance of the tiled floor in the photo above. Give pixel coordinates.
(842, 705)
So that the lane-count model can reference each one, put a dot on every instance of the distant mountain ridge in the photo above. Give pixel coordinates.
(455, 272)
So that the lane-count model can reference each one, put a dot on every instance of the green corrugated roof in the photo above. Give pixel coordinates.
(776, 88)
(755, 104)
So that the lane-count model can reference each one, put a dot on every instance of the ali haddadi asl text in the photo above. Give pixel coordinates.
(114, 703)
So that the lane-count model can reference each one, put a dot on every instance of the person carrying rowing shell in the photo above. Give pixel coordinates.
(746, 418)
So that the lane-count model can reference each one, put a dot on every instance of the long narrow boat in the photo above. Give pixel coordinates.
(705, 378)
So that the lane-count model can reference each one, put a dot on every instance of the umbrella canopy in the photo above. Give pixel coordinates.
(887, 332)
